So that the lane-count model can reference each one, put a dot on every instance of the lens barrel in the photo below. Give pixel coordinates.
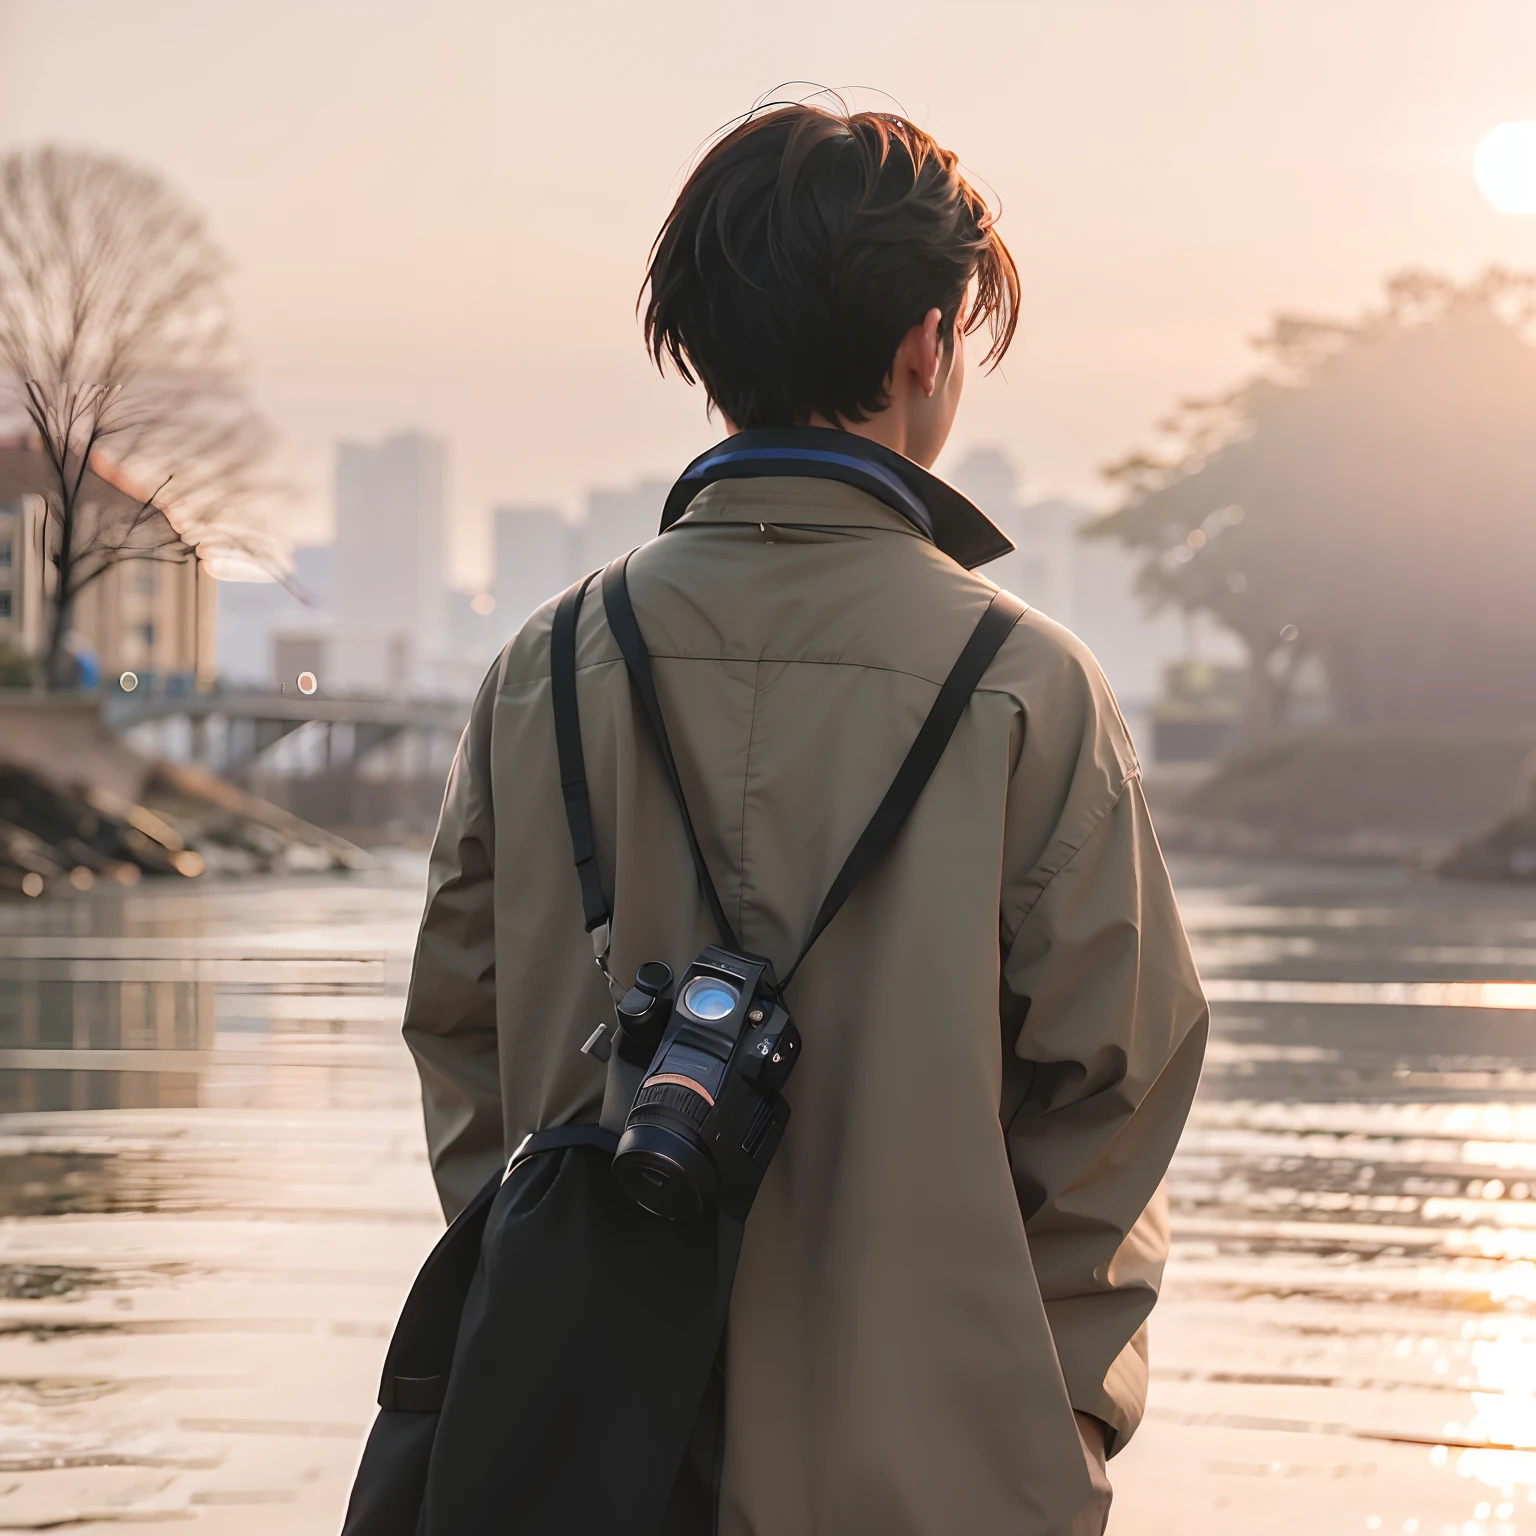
(666, 1172)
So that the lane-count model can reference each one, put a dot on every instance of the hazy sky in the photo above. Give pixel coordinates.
(440, 212)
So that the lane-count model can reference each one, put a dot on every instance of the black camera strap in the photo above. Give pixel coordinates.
(994, 627)
(626, 630)
(573, 767)
(573, 772)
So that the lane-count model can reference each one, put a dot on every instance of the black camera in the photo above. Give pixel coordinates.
(708, 1115)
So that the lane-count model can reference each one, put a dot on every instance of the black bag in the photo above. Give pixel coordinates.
(555, 1368)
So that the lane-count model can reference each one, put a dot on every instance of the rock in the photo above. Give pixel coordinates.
(218, 815)
(1508, 852)
(57, 837)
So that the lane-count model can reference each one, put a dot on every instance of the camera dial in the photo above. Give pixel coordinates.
(644, 1012)
(654, 977)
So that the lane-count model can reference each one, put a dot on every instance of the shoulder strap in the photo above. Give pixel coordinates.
(626, 630)
(996, 624)
(573, 768)
(994, 627)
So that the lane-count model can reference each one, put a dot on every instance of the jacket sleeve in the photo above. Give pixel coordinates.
(450, 1010)
(1111, 1033)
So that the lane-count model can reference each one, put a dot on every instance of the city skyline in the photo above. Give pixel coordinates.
(413, 243)
(329, 623)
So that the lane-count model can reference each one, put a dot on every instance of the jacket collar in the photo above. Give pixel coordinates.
(955, 525)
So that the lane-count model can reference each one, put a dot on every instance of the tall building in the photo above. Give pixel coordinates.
(250, 614)
(1087, 584)
(536, 556)
(1040, 568)
(391, 534)
(258, 618)
(314, 575)
(619, 520)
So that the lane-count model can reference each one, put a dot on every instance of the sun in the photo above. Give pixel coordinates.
(1505, 167)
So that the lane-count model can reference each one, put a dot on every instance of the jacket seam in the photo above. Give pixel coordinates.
(746, 779)
(1066, 863)
(778, 661)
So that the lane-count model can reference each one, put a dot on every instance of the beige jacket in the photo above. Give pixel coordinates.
(962, 1234)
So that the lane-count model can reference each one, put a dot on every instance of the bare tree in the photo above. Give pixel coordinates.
(116, 351)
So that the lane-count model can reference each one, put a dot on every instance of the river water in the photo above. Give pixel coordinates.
(213, 1194)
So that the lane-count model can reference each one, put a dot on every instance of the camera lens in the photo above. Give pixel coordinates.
(707, 998)
(664, 1172)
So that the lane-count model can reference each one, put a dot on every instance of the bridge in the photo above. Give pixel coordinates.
(126, 709)
(338, 759)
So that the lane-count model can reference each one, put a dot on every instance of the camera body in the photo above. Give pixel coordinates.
(718, 1047)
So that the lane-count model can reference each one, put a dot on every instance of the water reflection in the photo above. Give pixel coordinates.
(214, 1175)
(1519, 995)
(104, 1021)
(1355, 1215)
(65, 1043)
(214, 1190)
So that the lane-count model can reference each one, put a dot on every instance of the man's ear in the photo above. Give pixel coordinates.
(921, 353)
(933, 351)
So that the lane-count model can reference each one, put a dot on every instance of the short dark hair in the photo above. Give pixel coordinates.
(801, 250)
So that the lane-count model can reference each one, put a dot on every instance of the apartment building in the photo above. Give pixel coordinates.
(150, 616)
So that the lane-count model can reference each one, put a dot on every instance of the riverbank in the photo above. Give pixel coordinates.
(78, 805)
(1338, 796)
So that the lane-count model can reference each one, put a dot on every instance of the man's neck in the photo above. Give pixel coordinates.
(888, 428)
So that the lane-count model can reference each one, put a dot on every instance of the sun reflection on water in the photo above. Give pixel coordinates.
(1503, 1402)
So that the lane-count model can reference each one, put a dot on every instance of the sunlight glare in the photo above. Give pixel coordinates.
(1505, 167)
